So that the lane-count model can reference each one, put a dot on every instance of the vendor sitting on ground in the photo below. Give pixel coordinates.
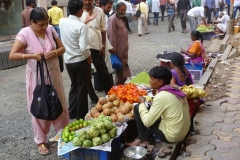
(196, 50)
(221, 28)
(223, 18)
(180, 74)
(168, 117)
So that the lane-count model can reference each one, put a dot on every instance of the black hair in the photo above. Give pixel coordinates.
(197, 35)
(161, 72)
(28, 2)
(54, 2)
(105, 2)
(206, 7)
(74, 6)
(178, 60)
(120, 4)
(38, 14)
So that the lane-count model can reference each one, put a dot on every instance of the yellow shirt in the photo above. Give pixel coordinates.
(56, 14)
(143, 8)
(175, 118)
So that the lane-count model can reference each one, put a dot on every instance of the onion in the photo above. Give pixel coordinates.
(102, 100)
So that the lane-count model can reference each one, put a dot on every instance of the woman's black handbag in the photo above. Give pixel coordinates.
(138, 13)
(45, 104)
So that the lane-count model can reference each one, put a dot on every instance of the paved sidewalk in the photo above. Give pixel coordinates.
(218, 126)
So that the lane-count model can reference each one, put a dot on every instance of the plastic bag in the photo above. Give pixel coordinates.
(116, 63)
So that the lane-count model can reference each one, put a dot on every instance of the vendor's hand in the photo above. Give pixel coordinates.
(141, 99)
(89, 59)
(102, 52)
(50, 54)
(37, 56)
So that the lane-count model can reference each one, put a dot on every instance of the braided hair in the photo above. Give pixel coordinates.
(178, 60)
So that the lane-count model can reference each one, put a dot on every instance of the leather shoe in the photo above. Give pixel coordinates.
(139, 35)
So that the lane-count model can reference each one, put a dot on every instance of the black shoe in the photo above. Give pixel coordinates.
(140, 35)
(149, 23)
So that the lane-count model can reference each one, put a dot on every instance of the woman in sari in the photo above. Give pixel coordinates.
(196, 50)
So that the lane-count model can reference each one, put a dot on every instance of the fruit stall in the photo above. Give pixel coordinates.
(207, 31)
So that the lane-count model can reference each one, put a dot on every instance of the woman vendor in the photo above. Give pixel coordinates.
(196, 50)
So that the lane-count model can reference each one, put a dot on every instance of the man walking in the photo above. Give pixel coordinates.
(155, 11)
(211, 5)
(26, 13)
(183, 6)
(77, 58)
(118, 38)
(129, 14)
(55, 14)
(163, 7)
(97, 41)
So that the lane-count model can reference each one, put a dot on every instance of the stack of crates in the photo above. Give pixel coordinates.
(196, 70)
(92, 154)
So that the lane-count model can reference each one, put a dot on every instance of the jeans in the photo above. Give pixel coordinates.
(56, 27)
(162, 7)
(216, 12)
(79, 74)
(192, 21)
(228, 9)
(183, 17)
(145, 133)
(155, 18)
(129, 18)
(235, 11)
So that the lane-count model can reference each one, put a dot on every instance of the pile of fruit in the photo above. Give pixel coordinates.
(127, 93)
(101, 131)
(112, 108)
(205, 28)
(69, 131)
(141, 78)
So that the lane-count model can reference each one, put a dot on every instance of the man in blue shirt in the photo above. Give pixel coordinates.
(212, 7)
(228, 6)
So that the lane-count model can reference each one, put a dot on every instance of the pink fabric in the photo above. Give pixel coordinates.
(33, 45)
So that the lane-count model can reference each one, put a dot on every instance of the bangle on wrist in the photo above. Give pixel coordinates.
(56, 52)
(23, 56)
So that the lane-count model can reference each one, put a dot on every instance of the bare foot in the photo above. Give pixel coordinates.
(146, 142)
(134, 143)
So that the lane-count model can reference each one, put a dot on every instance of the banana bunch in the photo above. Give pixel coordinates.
(193, 92)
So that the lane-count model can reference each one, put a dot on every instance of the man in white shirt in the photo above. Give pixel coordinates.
(97, 42)
(194, 13)
(155, 11)
(129, 13)
(223, 18)
(77, 57)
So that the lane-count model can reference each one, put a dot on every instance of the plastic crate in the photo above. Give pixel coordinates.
(92, 154)
(130, 132)
(196, 70)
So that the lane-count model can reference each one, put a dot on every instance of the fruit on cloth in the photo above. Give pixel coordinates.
(113, 132)
(141, 78)
(76, 142)
(87, 143)
(205, 28)
(127, 93)
(93, 132)
(96, 141)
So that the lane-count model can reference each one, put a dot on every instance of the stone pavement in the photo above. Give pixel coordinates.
(217, 126)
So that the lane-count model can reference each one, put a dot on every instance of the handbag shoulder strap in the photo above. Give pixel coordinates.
(48, 75)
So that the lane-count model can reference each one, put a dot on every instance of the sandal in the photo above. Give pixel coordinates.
(42, 149)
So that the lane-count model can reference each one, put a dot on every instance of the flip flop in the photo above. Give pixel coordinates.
(42, 149)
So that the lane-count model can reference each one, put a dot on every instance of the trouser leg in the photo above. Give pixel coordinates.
(140, 25)
(97, 82)
(192, 22)
(102, 70)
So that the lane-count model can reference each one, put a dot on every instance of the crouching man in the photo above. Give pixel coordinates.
(168, 117)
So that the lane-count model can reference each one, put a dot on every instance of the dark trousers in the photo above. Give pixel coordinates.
(228, 9)
(209, 13)
(100, 65)
(155, 18)
(170, 23)
(79, 74)
(163, 7)
(145, 133)
(183, 17)
(97, 82)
